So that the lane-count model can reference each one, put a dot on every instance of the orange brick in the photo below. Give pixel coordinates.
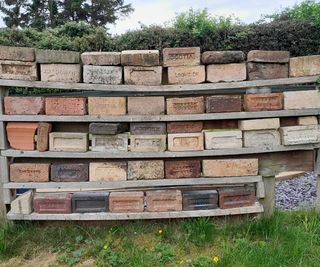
(66, 106)
(126, 202)
(185, 105)
(43, 136)
(181, 56)
(21, 135)
(29, 172)
(164, 200)
(263, 102)
(17, 105)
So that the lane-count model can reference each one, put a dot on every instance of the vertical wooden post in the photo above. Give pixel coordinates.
(269, 199)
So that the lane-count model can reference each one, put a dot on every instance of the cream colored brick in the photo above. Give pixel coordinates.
(301, 99)
(298, 135)
(309, 120)
(185, 142)
(223, 139)
(108, 171)
(259, 124)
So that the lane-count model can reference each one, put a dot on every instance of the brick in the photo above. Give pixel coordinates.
(90, 202)
(308, 120)
(148, 143)
(140, 57)
(57, 56)
(107, 106)
(52, 203)
(288, 121)
(145, 170)
(185, 127)
(60, 73)
(229, 167)
(186, 74)
(301, 99)
(18, 70)
(175, 169)
(163, 200)
(200, 199)
(236, 197)
(17, 105)
(226, 72)
(21, 135)
(259, 124)
(17, 53)
(143, 75)
(102, 74)
(261, 138)
(101, 58)
(29, 172)
(305, 66)
(185, 105)
(66, 106)
(148, 128)
(153, 105)
(107, 128)
(109, 143)
(222, 57)
(220, 124)
(69, 172)
(223, 103)
(263, 102)
(223, 139)
(182, 56)
(108, 171)
(22, 204)
(268, 56)
(298, 135)
(68, 142)
(126, 202)
(266, 71)
(43, 136)
(185, 142)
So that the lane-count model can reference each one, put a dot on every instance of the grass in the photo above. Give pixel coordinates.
(286, 239)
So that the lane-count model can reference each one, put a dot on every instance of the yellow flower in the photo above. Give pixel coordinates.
(181, 262)
(215, 259)
(160, 232)
(105, 247)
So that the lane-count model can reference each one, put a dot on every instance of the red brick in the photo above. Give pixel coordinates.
(288, 121)
(164, 200)
(236, 197)
(126, 201)
(268, 56)
(223, 103)
(265, 71)
(69, 172)
(43, 136)
(182, 169)
(52, 203)
(185, 105)
(263, 102)
(220, 124)
(140, 58)
(17, 105)
(184, 127)
(18, 70)
(66, 106)
(181, 56)
(29, 172)
(21, 135)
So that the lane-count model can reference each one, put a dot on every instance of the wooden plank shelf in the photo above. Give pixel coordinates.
(108, 216)
(166, 154)
(164, 118)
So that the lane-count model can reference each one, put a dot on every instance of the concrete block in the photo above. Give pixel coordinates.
(223, 139)
(68, 142)
(298, 135)
(181, 56)
(186, 74)
(259, 124)
(226, 72)
(135, 75)
(60, 73)
(126, 201)
(110, 143)
(185, 142)
(261, 138)
(185, 105)
(145, 169)
(108, 171)
(163, 200)
(18, 70)
(140, 57)
(107, 105)
(101, 58)
(29, 172)
(148, 143)
(152, 105)
(22, 105)
(57, 56)
(102, 74)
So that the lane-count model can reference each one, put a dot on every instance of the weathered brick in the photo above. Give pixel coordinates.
(186, 74)
(57, 56)
(29, 172)
(185, 142)
(297, 135)
(268, 56)
(21, 135)
(107, 128)
(266, 71)
(223, 103)
(308, 120)
(261, 138)
(68, 142)
(22, 204)
(184, 127)
(226, 72)
(148, 143)
(301, 99)
(305, 66)
(175, 169)
(143, 75)
(107, 105)
(236, 197)
(223, 139)
(110, 143)
(43, 136)
(101, 58)
(69, 172)
(152, 105)
(163, 200)
(200, 199)
(108, 171)
(229, 167)
(22, 105)
(263, 102)
(60, 73)
(126, 202)
(18, 70)
(66, 106)
(185, 105)
(140, 58)
(288, 121)
(220, 124)
(52, 203)
(182, 56)
(17, 53)
(222, 57)
(259, 124)
(90, 202)
(148, 128)
(102, 74)
(145, 170)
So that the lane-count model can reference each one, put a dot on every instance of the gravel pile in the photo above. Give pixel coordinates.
(296, 193)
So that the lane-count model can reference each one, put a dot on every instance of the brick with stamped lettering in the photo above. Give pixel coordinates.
(90, 202)
(69, 172)
(185, 105)
(298, 135)
(68, 142)
(143, 75)
(52, 203)
(200, 199)
(60, 73)
(29, 172)
(163, 200)
(236, 197)
(263, 102)
(148, 143)
(102, 74)
(18, 70)
(181, 56)
(185, 142)
(223, 139)
(186, 74)
(126, 201)
(109, 143)
(190, 168)
(108, 171)
(261, 138)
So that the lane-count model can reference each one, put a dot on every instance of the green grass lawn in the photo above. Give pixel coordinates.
(286, 239)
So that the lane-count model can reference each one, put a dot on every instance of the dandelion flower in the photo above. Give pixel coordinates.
(215, 259)
(160, 231)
